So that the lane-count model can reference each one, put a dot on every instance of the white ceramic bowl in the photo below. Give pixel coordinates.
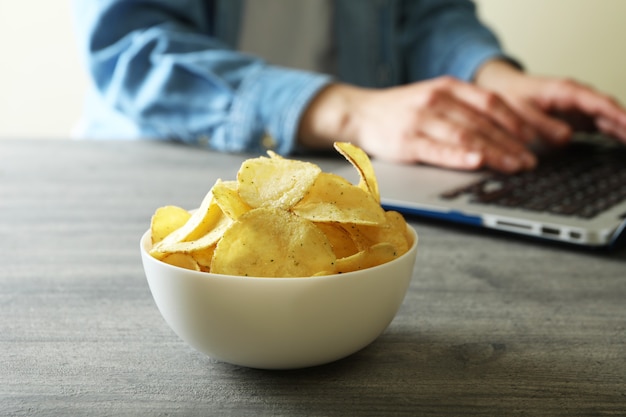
(279, 323)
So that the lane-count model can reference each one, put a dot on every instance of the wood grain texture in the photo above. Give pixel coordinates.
(491, 326)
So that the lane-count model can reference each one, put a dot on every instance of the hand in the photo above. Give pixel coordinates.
(554, 107)
(443, 122)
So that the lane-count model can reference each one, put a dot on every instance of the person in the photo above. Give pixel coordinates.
(411, 81)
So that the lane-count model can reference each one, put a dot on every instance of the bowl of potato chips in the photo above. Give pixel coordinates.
(285, 267)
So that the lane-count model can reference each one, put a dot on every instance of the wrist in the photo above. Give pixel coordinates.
(329, 117)
(495, 74)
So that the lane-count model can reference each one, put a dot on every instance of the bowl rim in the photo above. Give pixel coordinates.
(143, 242)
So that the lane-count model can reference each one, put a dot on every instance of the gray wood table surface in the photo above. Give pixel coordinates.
(491, 325)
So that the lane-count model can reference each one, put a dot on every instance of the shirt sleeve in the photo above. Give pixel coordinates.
(154, 63)
(445, 37)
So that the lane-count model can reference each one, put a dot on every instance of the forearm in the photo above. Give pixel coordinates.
(164, 75)
(442, 121)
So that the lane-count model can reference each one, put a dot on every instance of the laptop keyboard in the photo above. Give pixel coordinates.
(583, 180)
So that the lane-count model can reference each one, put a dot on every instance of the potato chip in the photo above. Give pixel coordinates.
(204, 257)
(393, 231)
(275, 182)
(323, 273)
(334, 199)
(283, 218)
(270, 242)
(361, 240)
(182, 260)
(206, 241)
(378, 254)
(359, 159)
(340, 240)
(228, 199)
(165, 220)
(274, 155)
(200, 222)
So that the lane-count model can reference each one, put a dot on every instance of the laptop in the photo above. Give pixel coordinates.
(577, 194)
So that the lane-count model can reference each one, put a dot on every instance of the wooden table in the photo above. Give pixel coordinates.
(491, 325)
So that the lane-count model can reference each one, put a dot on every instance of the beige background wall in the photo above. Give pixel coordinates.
(582, 39)
(42, 82)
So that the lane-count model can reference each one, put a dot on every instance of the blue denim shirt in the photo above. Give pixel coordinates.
(167, 69)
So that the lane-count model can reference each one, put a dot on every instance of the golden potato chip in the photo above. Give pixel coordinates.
(270, 242)
(375, 255)
(204, 257)
(206, 241)
(165, 220)
(181, 260)
(334, 199)
(274, 155)
(228, 199)
(361, 240)
(359, 159)
(200, 222)
(393, 231)
(283, 218)
(275, 182)
(340, 240)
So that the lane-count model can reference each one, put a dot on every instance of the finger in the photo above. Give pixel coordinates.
(549, 128)
(455, 124)
(494, 141)
(445, 155)
(425, 150)
(568, 95)
(492, 107)
(449, 133)
(611, 128)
